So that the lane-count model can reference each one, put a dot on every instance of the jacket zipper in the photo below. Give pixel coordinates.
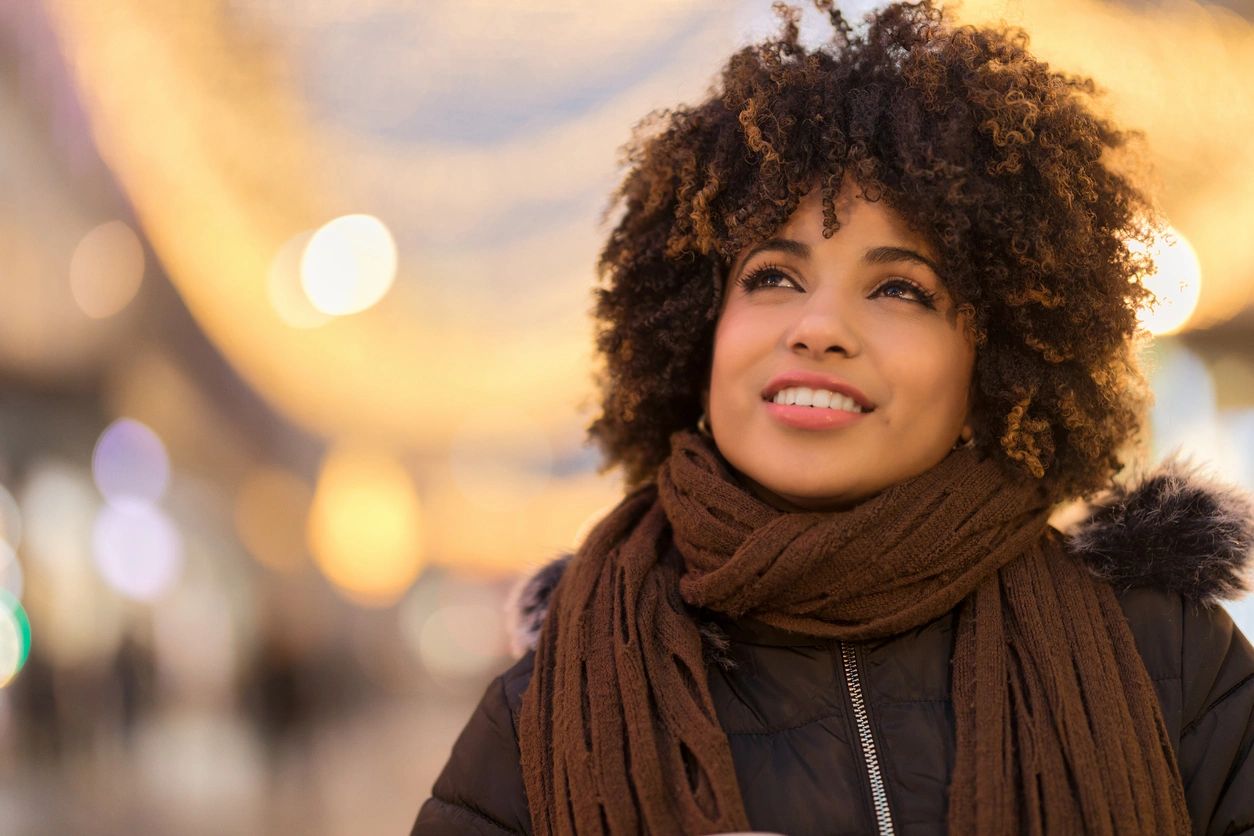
(879, 795)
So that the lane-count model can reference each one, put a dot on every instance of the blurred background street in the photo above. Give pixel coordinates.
(295, 362)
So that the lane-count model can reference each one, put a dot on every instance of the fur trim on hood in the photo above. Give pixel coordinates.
(1174, 528)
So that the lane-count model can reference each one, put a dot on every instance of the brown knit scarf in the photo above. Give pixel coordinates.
(1058, 727)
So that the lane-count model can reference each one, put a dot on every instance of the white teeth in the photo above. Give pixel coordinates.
(816, 398)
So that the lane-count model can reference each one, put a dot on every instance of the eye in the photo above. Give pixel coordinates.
(919, 293)
(764, 276)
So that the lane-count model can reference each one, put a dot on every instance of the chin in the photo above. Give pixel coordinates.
(816, 491)
(831, 499)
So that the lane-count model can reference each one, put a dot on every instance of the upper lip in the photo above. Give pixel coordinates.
(811, 380)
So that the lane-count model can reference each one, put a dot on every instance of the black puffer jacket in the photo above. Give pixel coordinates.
(804, 751)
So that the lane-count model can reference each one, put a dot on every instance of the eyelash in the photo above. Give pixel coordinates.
(752, 280)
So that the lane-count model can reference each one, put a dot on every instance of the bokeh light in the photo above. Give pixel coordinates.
(348, 265)
(1176, 283)
(1239, 426)
(81, 621)
(283, 286)
(366, 526)
(106, 269)
(271, 512)
(60, 507)
(130, 462)
(12, 579)
(461, 640)
(454, 626)
(14, 637)
(10, 519)
(1184, 418)
(137, 549)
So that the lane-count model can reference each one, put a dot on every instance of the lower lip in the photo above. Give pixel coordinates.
(812, 417)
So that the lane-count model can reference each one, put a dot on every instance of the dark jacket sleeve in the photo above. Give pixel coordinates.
(1217, 736)
(480, 791)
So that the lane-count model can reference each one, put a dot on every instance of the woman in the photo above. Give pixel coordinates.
(870, 317)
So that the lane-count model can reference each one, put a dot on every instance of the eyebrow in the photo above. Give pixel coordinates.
(875, 255)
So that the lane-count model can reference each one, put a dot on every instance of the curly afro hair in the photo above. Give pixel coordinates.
(998, 161)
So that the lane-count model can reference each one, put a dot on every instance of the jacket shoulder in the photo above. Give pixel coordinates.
(1195, 643)
(1202, 668)
(480, 790)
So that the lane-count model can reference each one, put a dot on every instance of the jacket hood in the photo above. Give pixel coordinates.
(1174, 528)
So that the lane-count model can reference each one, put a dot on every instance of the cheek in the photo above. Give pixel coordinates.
(934, 375)
(737, 341)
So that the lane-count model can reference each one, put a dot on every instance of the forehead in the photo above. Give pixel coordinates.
(863, 224)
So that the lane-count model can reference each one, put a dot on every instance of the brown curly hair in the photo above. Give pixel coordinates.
(995, 159)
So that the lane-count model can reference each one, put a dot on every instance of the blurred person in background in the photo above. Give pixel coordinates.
(869, 321)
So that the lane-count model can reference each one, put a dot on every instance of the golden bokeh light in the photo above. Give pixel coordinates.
(1176, 284)
(366, 525)
(106, 269)
(283, 286)
(348, 265)
(501, 540)
(271, 512)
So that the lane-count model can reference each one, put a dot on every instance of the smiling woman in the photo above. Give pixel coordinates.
(869, 316)
(863, 314)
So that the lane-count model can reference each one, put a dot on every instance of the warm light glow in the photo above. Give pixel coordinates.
(271, 511)
(59, 504)
(283, 286)
(494, 462)
(1176, 282)
(137, 549)
(348, 265)
(365, 526)
(83, 621)
(501, 540)
(106, 269)
(12, 579)
(10, 519)
(130, 462)
(14, 637)
(461, 640)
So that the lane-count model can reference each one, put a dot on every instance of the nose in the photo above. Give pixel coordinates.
(822, 326)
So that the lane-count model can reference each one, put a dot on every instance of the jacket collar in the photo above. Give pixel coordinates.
(1173, 528)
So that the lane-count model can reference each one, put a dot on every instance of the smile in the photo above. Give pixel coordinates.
(811, 417)
(818, 398)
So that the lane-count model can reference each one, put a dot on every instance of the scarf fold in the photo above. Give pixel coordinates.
(1058, 728)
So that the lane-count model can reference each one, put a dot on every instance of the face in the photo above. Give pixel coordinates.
(863, 314)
